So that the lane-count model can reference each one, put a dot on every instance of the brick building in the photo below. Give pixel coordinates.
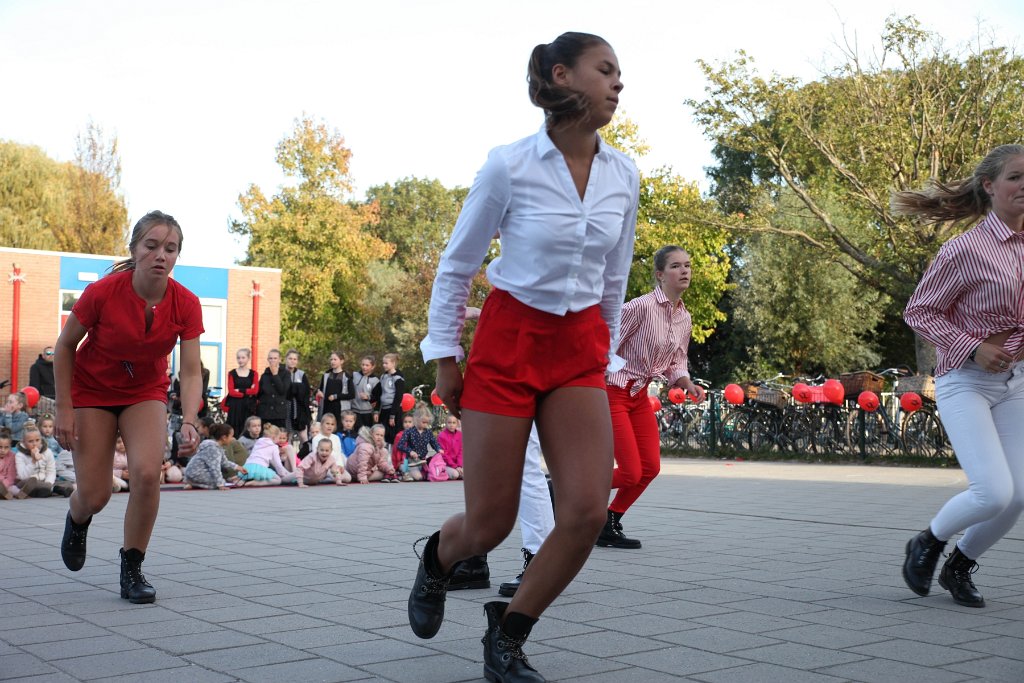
(52, 281)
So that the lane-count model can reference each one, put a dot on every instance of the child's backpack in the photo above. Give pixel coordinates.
(436, 470)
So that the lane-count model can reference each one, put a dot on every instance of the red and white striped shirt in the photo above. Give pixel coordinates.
(653, 339)
(973, 289)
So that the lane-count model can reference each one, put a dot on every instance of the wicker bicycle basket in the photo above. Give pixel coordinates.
(771, 397)
(856, 382)
(919, 384)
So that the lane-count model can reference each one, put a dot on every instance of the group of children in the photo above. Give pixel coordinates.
(32, 464)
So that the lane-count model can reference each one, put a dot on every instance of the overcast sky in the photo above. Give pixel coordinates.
(199, 92)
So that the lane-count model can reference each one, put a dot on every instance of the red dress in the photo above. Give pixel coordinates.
(120, 363)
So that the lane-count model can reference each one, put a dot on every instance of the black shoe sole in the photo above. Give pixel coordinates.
(613, 544)
(965, 603)
(138, 601)
(469, 585)
(507, 590)
(906, 576)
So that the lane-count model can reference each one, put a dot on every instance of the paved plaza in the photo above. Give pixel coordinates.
(749, 572)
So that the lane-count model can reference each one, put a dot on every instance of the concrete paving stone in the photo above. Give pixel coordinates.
(871, 605)
(548, 627)
(55, 677)
(706, 595)
(642, 625)
(229, 659)
(22, 665)
(627, 674)
(165, 629)
(309, 670)
(1002, 647)
(950, 614)
(78, 647)
(22, 607)
(1013, 629)
(930, 633)
(239, 611)
(333, 609)
(799, 656)
(133, 662)
(448, 632)
(371, 650)
(820, 635)
(585, 611)
(764, 673)
(622, 598)
(887, 671)
(999, 669)
(558, 665)
(857, 621)
(200, 642)
(257, 590)
(49, 634)
(714, 639)
(42, 616)
(130, 614)
(914, 652)
(188, 673)
(196, 603)
(751, 623)
(309, 636)
(602, 644)
(778, 607)
(372, 620)
(429, 669)
(275, 624)
(679, 660)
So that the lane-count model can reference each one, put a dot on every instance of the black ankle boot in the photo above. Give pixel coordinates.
(504, 661)
(134, 586)
(509, 588)
(923, 552)
(612, 536)
(956, 578)
(472, 572)
(72, 546)
(426, 599)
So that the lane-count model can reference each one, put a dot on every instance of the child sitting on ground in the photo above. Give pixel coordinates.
(46, 428)
(348, 433)
(204, 469)
(263, 466)
(306, 447)
(397, 455)
(14, 416)
(120, 466)
(417, 442)
(322, 467)
(286, 451)
(37, 470)
(370, 461)
(327, 427)
(8, 467)
(450, 439)
(253, 431)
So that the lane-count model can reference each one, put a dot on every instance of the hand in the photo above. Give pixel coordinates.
(242, 470)
(695, 390)
(472, 313)
(449, 385)
(188, 439)
(391, 420)
(992, 357)
(319, 395)
(66, 430)
(302, 484)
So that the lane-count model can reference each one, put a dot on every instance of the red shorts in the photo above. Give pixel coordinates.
(520, 355)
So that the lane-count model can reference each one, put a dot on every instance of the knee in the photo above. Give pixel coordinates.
(627, 477)
(997, 497)
(94, 501)
(483, 538)
(583, 520)
(145, 482)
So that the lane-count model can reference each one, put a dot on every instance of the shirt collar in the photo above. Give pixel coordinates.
(1000, 229)
(545, 147)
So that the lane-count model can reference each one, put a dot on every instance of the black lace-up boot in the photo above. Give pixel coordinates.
(923, 552)
(509, 588)
(134, 587)
(956, 578)
(504, 661)
(426, 599)
(470, 573)
(72, 546)
(612, 536)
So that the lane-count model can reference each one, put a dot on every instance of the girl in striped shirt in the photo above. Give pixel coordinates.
(654, 337)
(970, 305)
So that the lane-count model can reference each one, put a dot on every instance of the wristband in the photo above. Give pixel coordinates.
(974, 352)
(192, 424)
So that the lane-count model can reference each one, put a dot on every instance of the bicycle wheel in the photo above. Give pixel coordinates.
(797, 434)
(762, 432)
(879, 439)
(924, 435)
(669, 429)
(734, 430)
(697, 436)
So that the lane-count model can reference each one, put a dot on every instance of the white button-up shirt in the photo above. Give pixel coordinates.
(559, 253)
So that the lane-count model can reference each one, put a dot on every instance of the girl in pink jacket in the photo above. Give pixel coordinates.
(371, 460)
(450, 439)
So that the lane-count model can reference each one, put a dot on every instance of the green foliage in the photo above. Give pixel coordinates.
(46, 204)
(319, 241)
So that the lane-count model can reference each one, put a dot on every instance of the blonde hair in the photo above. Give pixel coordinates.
(393, 357)
(272, 430)
(957, 200)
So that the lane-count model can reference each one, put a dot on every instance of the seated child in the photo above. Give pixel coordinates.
(348, 433)
(397, 455)
(236, 451)
(450, 439)
(66, 478)
(37, 469)
(46, 427)
(322, 467)
(120, 482)
(204, 469)
(287, 451)
(307, 446)
(13, 415)
(370, 461)
(253, 431)
(8, 467)
(417, 443)
(327, 427)
(263, 467)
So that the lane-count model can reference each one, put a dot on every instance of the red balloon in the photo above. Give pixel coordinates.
(868, 400)
(677, 395)
(655, 403)
(834, 391)
(801, 393)
(31, 396)
(408, 402)
(911, 402)
(734, 394)
(435, 399)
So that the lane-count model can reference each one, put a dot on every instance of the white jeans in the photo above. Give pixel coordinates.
(536, 516)
(983, 413)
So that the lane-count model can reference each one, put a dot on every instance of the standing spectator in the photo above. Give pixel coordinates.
(388, 395)
(273, 396)
(298, 396)
(40, 375)
(336, 390)
(243, 388)
(364, 382)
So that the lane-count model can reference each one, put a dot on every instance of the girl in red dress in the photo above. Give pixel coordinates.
(116, 383)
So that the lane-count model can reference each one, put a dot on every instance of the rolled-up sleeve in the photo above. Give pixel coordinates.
(927, 312)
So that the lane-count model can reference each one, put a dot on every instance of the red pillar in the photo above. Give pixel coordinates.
(16, 279)
(256, 294)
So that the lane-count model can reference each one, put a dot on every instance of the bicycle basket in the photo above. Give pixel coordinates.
(856, 382)
(919, 384)
(771, 397)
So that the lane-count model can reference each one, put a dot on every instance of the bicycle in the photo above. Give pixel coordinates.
(213, 409)
(923, 433)
(875, 432)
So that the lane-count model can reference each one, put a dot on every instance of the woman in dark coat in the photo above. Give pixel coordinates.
(274, 387)
(336, 388)
(298, 396)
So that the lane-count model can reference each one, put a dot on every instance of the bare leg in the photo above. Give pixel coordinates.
(576, 435)
(143, 428)
(94, 462)
(494, 447)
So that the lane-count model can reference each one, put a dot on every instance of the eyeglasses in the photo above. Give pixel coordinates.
(47, 353)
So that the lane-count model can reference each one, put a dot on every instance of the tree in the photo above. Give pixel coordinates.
(861, 131)
(318, 238)
(31, 196)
